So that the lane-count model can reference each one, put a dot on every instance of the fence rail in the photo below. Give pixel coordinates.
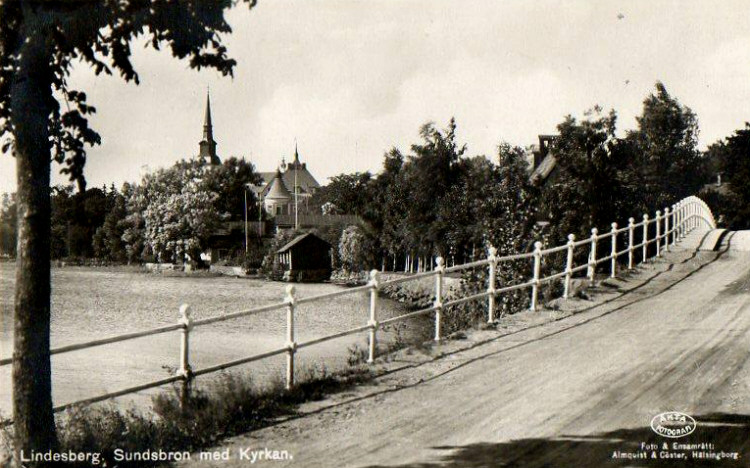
(675, 222)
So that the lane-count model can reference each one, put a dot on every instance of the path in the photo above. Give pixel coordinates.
(569, 393)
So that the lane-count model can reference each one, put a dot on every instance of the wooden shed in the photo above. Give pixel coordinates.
(306, 258)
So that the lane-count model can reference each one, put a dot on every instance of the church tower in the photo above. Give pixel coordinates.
(208, 145)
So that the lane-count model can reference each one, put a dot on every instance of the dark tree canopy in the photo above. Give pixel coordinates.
(732, 160)
(594, 186)
(667, 143)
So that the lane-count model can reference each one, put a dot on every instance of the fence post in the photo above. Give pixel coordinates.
(492, 257)
(691, 223)
(631, 234)
(569, 265)
(692, 215)
(645, 238)
(438, 304)
(291, 345)
(537, 271)
(685, 219)
(666, 228)
(674, 224)
(613, 254)
(185, 371)
(592, 256)
(695, 215)
(658, 233)
(373, 323)
(681, 220)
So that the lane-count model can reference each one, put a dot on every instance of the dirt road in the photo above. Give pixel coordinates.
(578, 392)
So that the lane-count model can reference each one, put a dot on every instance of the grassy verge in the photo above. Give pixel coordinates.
(228, 406)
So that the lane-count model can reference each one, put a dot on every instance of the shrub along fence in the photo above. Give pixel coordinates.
(668, 227)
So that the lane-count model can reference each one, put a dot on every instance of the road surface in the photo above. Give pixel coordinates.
(578, 392)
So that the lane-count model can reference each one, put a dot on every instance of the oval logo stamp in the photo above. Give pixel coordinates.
(673, 424)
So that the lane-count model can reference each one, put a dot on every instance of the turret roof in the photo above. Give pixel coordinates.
(277, 190)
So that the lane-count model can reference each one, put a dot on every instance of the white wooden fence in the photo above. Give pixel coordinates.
(670, 226)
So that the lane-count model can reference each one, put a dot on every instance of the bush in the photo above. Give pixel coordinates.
(414, 295)
(349, 278)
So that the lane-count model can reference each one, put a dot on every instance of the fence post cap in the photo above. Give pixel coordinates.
(666, 210)
(537, 245)
(492, 251)
(658, 213)
(645, 216)
(594, 231)
(374, 277)
(185, 315)
(291, 291)
(571, 237)
(614, 226)
(440, 262)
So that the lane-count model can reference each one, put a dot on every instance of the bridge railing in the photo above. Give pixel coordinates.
(670, 225)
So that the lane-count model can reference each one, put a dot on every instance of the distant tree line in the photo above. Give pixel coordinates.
(432, 200)
(169, 215)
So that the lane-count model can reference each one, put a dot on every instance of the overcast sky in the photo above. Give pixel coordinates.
(349, 79)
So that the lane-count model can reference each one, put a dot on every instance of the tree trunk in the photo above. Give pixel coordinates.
(31, 98)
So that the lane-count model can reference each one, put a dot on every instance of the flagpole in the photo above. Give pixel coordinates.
(296, 163)
(246, 238)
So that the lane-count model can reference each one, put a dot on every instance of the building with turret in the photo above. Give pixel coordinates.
(280, 187)
(277, 199)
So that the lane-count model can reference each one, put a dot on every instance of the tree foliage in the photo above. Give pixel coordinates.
(175, 211)
(594, 185)
(8, 223)
(436, 201)
(356, 249)
(347, 192)
(732, 201)
(669, 164)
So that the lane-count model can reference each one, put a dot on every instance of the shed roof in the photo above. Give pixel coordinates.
(297, 240)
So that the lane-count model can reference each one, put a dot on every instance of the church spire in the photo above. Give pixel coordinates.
(208, 145)
(208, 130)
